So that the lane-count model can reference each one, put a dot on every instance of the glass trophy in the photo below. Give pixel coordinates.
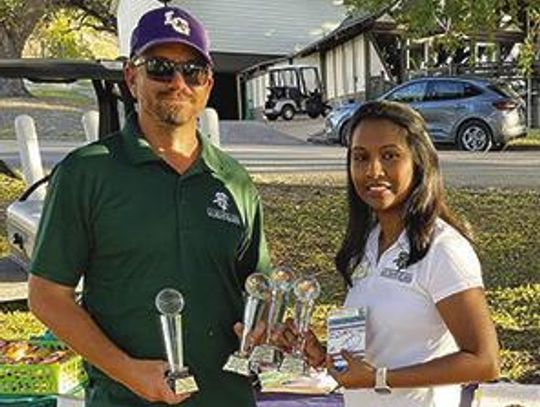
(266, 356)
(306, 291)
(258, 288)
(169, 303)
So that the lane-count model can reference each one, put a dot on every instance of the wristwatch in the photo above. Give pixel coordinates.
(381, 386)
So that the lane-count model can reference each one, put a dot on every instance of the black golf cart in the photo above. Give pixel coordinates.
(295, 89)
(111, 92)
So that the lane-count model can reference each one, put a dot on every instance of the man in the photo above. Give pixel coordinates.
(153, 206)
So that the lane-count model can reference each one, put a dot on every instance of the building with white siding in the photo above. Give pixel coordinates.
(243, 33)
(348, 59)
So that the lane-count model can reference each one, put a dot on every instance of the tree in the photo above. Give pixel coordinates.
(19, 18)
(17, 21)
(456, 20)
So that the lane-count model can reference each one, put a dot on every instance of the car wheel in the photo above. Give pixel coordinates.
(287, 112)
(271, 117)
(343, 134)
(474, 135)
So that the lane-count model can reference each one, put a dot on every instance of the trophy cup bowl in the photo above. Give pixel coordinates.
(258, 288)
(170, 303)
(306, 290)
(267, 357)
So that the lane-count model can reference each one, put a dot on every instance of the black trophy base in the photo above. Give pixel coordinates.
(182, 382)
(238, 364)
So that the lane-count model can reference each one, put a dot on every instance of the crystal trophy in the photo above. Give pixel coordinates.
(306, 291)
(266, 356)
(169, 303)
(258, 288)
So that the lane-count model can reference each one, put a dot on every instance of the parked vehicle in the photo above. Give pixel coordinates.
(113, 99)
(474, 114)
(295, 89)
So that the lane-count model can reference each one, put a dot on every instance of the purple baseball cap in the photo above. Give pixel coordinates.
(169, 24)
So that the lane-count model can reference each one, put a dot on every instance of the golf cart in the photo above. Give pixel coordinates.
(106, 76)
(295, 89)
(113, 102)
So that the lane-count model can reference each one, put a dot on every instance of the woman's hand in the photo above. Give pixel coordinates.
(357, 375)
(147, 379)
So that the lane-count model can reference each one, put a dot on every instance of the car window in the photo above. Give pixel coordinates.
(471, 90)
(451, 90)
(409, 93)
(503, 90)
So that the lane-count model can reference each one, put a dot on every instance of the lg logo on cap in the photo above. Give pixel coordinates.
(177, 23)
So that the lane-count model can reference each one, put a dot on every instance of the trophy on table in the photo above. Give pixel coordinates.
(266, 356)
(306, 290)
(169, 303)
(258, 288)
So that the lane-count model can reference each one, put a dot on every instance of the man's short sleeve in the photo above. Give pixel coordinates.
(255, 256)
(62, 243)
(454, 267)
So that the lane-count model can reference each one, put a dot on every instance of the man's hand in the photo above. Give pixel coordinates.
(147, 379)
(255, 337)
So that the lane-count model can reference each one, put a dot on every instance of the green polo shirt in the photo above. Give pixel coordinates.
(119, 216)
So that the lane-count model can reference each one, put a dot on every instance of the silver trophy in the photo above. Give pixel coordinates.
(258, 288)
(170, 303)
(306, 291)
(266, 356)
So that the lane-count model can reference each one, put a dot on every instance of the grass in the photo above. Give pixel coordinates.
(304, 222)
(62, 95)
(80, 94)
(532, 140)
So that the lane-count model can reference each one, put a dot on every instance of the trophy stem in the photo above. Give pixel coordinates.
(171, 326)
(275, 312)
(250, 311)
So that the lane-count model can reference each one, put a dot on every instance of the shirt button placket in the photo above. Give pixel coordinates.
(180, 206)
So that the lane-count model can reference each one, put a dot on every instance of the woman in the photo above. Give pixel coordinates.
(407, 259)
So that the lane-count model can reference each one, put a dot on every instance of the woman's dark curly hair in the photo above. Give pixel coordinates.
(425, 203)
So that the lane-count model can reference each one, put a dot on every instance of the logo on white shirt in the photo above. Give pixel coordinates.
(400, 273)
(401, 260)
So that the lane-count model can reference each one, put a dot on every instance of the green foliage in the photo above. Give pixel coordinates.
(529, 50)
(60, 37)
(458, 19)
(10, 189)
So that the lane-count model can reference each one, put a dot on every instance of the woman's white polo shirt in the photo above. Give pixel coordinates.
(403, 326)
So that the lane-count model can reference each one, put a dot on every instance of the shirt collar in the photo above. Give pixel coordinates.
(399, 246)
(139, 151)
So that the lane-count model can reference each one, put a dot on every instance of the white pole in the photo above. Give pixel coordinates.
(90, 123)
(25, 130)
(209, 125)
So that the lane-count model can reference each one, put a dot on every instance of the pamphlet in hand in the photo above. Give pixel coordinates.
(346, 331)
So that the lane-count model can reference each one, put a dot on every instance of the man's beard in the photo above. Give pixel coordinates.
(171, 115)
(169, 112)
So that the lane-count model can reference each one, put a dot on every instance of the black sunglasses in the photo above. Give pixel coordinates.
(163, 70)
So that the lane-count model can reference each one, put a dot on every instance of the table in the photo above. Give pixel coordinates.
(263, 400)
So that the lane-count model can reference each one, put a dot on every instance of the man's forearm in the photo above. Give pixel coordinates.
(71, 323)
